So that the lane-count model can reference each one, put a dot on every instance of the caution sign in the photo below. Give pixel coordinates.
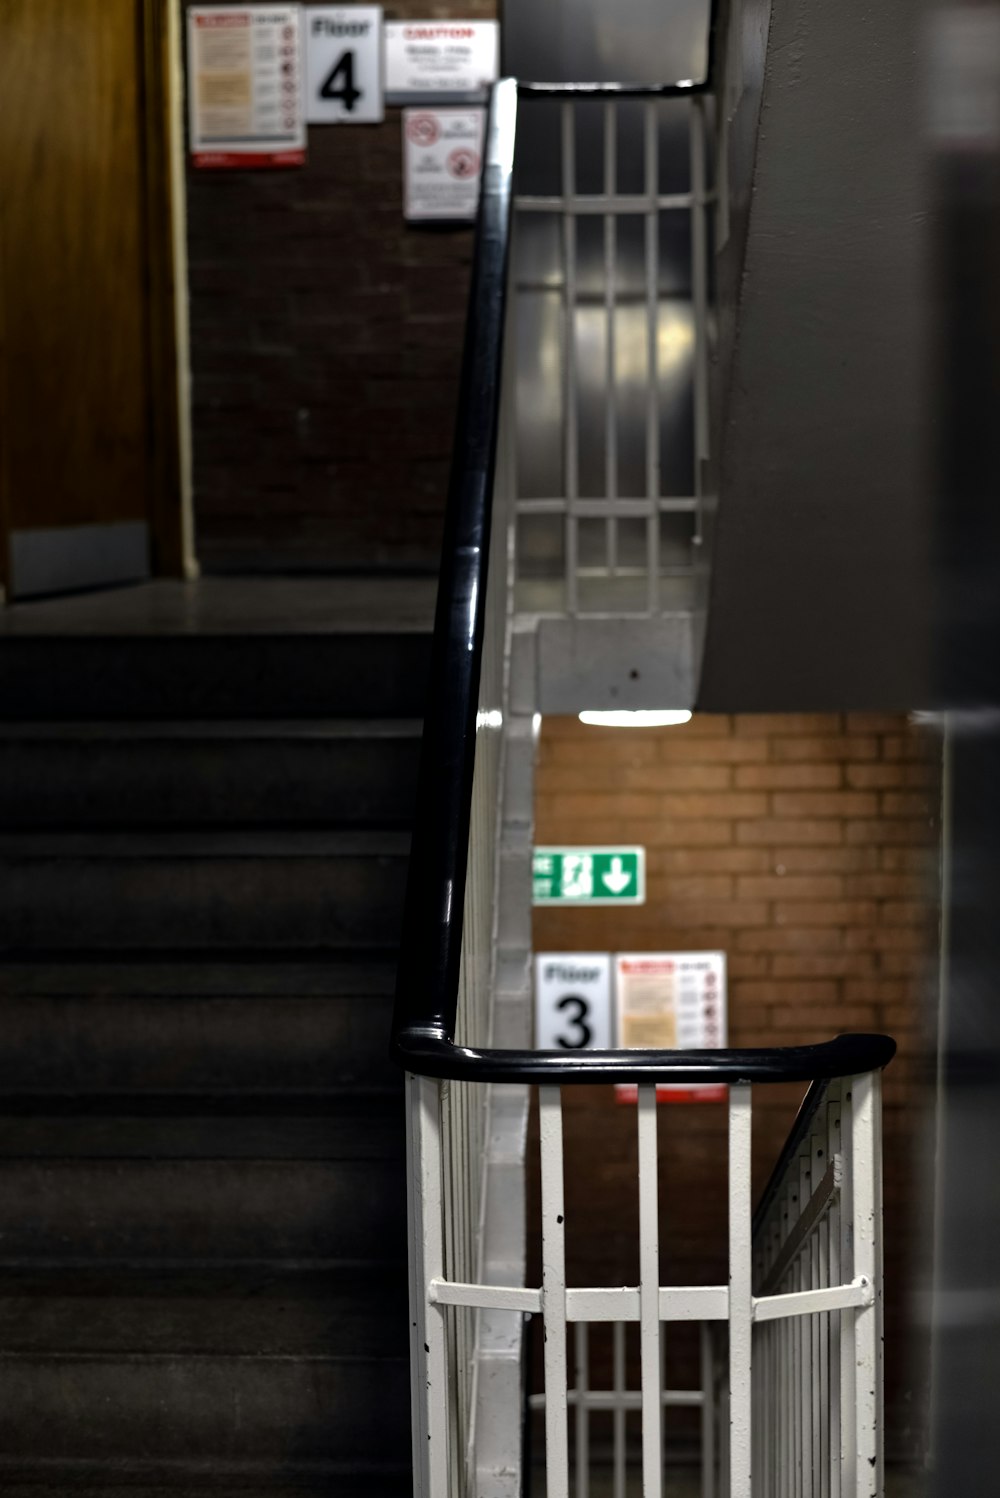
(442, 162)
(245, 86)
(440, 61)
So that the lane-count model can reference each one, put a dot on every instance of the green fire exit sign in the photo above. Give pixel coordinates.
(589, 876)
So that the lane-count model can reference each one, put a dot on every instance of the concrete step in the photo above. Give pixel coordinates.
(136, 977)
(217, 1211)
(291, 1313)
(279, 1414)
(200, 1377)
(98, 1043)
(257, 890)
(196, 1480)
(351, 1129)
(251, 774)
(133, 676)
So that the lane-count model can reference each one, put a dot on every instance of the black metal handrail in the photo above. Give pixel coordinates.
(797, 1135)
(427, 983)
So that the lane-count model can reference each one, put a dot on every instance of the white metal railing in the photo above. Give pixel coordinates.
(801, 1396)
(817, 1376)
(448, 1122)
(621, 1400)
(799, 1314)
(608, 577)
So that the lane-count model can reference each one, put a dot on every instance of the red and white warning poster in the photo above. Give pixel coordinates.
(672, 1001)
(245, 86)
(442, 161)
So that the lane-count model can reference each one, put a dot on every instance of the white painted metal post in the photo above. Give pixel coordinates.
(820, 1164)
(848, 1449)
(707, 1414)
(618, 1419)
(833, 1239)
(570, 396)
(804, 1392)
(740, 1302)
(864, 1133)
(582, 1422)
(610, 314)
(699, 296)
(429, 1361)
(554, 1292)
(649, 1297)
(651, 122)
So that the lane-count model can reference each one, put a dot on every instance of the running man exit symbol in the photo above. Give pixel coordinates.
(589, 876)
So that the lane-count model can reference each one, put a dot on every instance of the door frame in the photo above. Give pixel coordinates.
(161, 72)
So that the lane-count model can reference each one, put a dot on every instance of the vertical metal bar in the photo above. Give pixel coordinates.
(429, 1360)
(805, 1333)
(610, 310)
(833, 1138)
(865, 1091)
(582, 1422)
(724, 1442)
(848, 1449)
(760, 1404)
(795, 1371)
(554, 1292)
(699, 296)
(821, 1396)
(649, 1297)
(663, 1398)
(652, 160)
(794, 1362)
(417, 1290)
(771, 1481)
(879, 1281)
(740, 1305)
(707, 1414)
(618, 1417)
(570, 411)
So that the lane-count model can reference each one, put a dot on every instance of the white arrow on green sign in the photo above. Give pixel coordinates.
(589, 876)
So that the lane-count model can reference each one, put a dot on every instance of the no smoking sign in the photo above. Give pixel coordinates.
(442, 156)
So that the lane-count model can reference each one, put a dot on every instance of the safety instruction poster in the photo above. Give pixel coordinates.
(442, 160)
(245, 86)
(672, 1001)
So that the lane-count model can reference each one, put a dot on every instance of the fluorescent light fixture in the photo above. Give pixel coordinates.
(640, 719)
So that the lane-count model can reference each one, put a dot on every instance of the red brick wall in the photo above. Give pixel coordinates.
(805, 846)
(326, 341)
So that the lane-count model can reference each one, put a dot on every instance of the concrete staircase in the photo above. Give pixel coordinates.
(203, 843)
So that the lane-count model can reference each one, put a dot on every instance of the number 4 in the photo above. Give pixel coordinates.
(344, 90)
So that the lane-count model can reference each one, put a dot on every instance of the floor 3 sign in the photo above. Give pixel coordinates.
(653, 1000)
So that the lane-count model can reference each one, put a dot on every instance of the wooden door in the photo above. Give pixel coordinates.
(89, 469)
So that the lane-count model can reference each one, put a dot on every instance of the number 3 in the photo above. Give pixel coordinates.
(578, 1020)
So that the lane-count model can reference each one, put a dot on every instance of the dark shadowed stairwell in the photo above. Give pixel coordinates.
(205, 798)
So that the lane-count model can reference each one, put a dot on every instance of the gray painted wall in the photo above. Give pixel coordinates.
(819, 592)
